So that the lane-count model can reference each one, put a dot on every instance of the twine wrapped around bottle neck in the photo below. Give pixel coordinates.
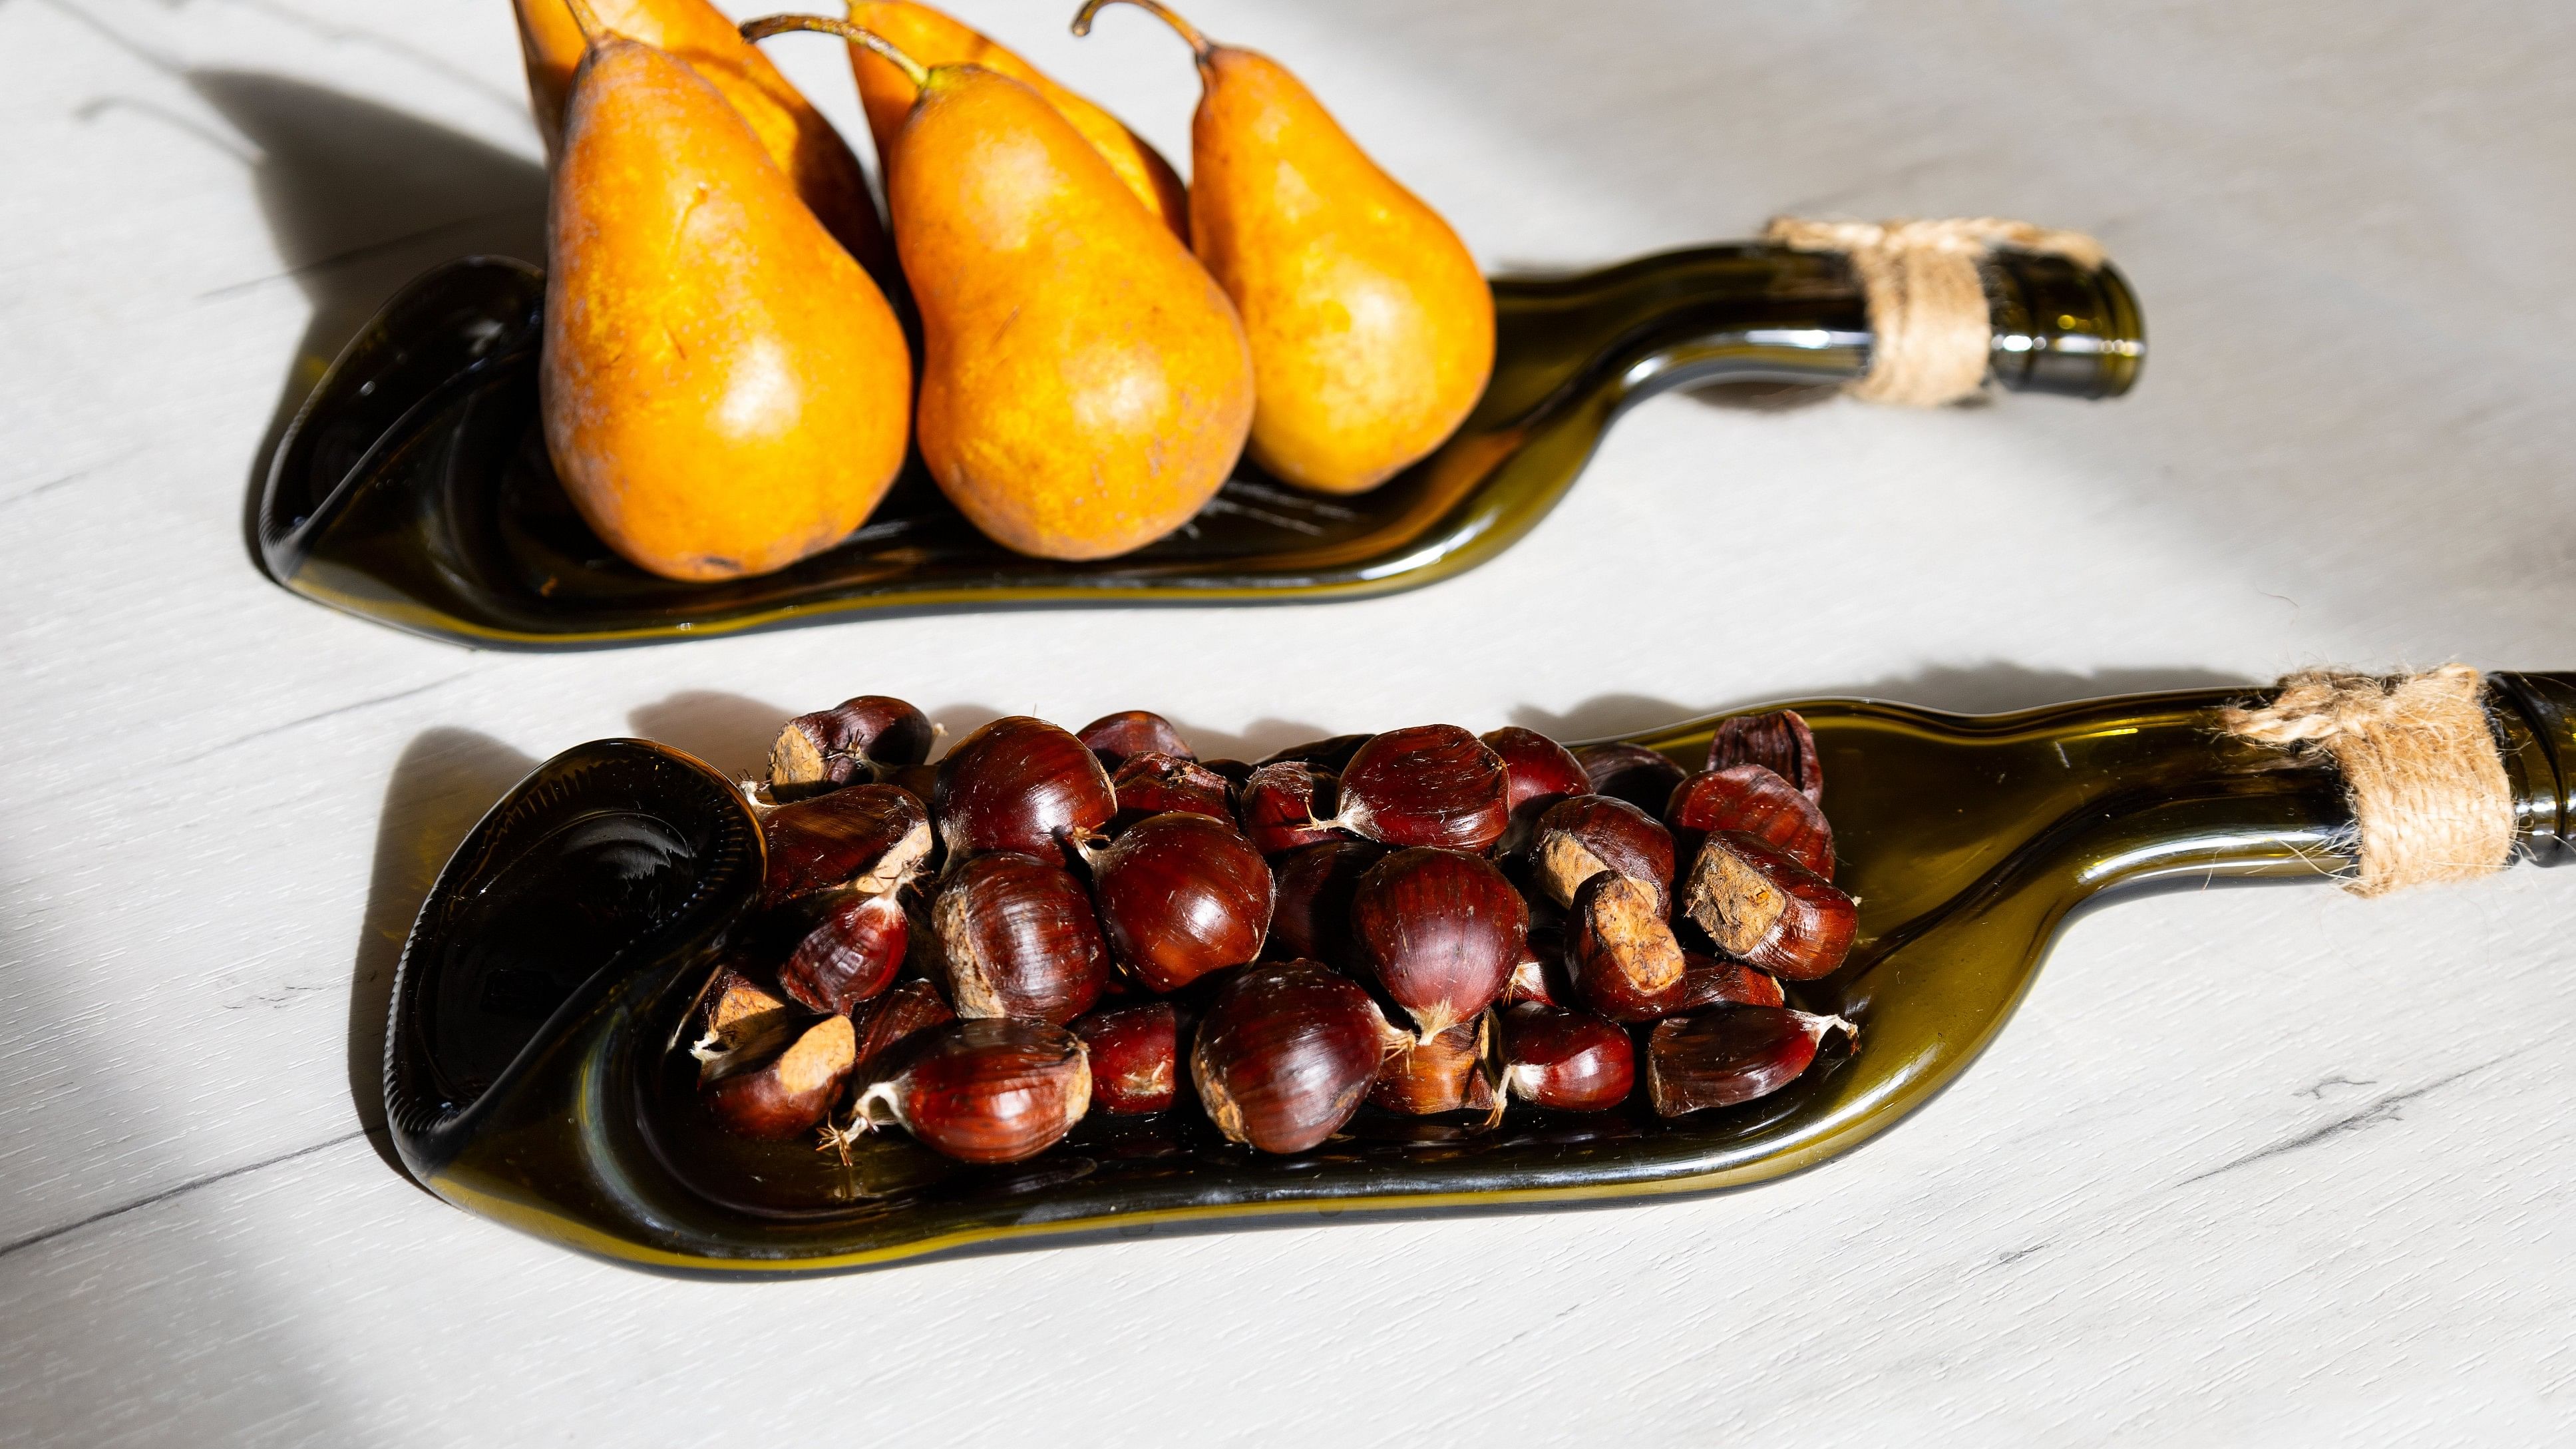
(2428, 783)
(1928, 312)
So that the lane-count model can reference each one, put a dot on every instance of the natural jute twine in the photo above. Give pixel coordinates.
(2428, 786)
(1927, 304)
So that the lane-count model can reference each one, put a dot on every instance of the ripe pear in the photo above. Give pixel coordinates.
(1372, 329)
(724, 390)
(934, 38)
(795, 134)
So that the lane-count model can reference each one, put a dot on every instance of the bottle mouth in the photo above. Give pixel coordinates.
(2062, 328)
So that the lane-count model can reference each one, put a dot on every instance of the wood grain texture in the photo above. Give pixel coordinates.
(2274, 1167)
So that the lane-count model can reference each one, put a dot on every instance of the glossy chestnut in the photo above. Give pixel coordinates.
(889, 1024)
(1712, 981)
(1020, 784)
(1445, 1074)
(1566, 1061)
(1441, 932)
(1619, 952)
(1152, 783)
(1311, 908)
(870, 837)
(1281, 806)
(1535, 766)
(1018, 937)
(1131, 732)
(1765, 909)
(851, 954)
(986, 1090)
(1582, 836)
(1779, 742)
(1179, 896)
(856, 740)
(1632, 773)
(1135, 1056)
(1754, 800)
(793, 1092)
(1429, 785)
(1287, 1053)
(1734, 1054)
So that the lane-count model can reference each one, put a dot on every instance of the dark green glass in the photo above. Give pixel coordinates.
(535, 1069)
(413, 486)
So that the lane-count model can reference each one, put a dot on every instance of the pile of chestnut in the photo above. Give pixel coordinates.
(983, 950)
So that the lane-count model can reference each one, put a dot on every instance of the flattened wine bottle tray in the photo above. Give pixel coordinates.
(536, 1069)
(413, 486)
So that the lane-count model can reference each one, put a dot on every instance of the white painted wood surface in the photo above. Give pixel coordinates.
(2270, 1167)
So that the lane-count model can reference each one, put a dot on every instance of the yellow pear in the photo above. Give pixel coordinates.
(724, 390)
(1085, 387)
(795, 134)
(1372, 329)
(934, 38)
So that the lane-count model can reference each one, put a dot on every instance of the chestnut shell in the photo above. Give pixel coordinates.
(1779, 741)
(1181, 895)
(1020, 784)
(830, 840)
(1534, 766)
(991, 1090)
(1441, 931)
(1286, 1054)
(1730, 1055)
(1567, 1061)
(1282, 805)
(1752, 799)
(1130, 732)
(1642, 777)
(1135, 1056)
(1019, 937)
(1434, 785)
(1585, 834)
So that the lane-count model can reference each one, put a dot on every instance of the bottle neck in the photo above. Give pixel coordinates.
(2535, 719)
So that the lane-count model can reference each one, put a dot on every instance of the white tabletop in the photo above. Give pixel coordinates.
(2271, 1166)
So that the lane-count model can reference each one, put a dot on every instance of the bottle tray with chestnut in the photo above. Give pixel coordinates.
(539, 1065)
(413, 486)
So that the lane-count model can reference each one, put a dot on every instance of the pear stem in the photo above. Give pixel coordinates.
(769, 25)
(587, 19)
(1156, 8)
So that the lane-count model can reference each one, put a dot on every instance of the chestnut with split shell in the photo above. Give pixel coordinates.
(1444, 1074)
(1152, 783)
(791, 1093)
(870, 837)
(1642, 777)
(851, 954)
(1280, 804)
(1619, 952)
(1566, 1061)
(1441, 931)
(1709, 981)
(983, 1091)
(1580, 837)
(1765, 909)
(1019, 938)
(1311, 913)
(1119, 737)
(1020, 784)
(740, 1022)
(1430, 785)
(1752, 799)
(1731, 1055)
(1135, 1057)
(862, 739)
(1779, 742)
(1286, 1054)
(1179, 896)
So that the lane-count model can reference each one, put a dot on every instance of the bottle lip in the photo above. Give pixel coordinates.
(2063, 328)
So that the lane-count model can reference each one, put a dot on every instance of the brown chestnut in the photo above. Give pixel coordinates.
(871, 837)
(1281, 804)
(1632, 773)
(1731, 1055)
(1152, 783)
(1311, 911)
(1131, 732)
(1433, 785)
(1019, 938)
(1534, 766)
(886, 1025)
(740, 1022)
(1135, 1056)
(791, 1093)
(1180, 896)
(850, 955)
(856, 740)
(1752, 799)
(1326, 755)
(986, 1090)
(1441, 931)
(1621, 955)
(1540, 974)
(1765, 909)
(1287, 1053)
(1020, 784)
(1444, 1074)
(1710, 981)
(1566, 1061)
(1580, 837)
(1779, 742)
